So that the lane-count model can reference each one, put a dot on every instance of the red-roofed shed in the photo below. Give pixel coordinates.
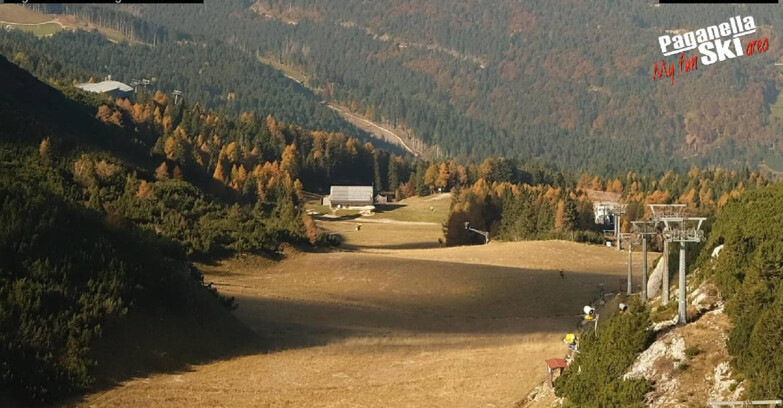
(553, 364)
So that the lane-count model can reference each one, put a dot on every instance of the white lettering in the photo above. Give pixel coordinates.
(708, 57)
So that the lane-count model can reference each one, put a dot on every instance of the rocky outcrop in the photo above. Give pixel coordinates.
(689, 365)
(655, 280)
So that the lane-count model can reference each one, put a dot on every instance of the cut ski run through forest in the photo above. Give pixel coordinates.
(392, 319)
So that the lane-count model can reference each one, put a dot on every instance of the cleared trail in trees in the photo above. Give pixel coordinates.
(372, 127)
(390, 320)
(375, 129)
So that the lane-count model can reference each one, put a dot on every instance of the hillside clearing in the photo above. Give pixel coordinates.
(18, 17)
(391, 325)
(18, 14)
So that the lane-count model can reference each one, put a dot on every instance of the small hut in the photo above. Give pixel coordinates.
(552, 365)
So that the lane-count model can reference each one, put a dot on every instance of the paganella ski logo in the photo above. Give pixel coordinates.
(715, 43)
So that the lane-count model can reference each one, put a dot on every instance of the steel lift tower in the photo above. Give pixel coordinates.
(629, 239)
(664, 210)
(617, 213)
(643, 230)
(681, 229)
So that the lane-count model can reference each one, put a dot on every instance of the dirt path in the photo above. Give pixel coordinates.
(391, 326)
(33, 24)
(373, 128)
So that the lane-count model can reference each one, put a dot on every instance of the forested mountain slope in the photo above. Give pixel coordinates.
(73, 269)
(569, 82)
(209, 73)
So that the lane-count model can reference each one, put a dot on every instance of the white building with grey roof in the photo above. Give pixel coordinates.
(115, 89)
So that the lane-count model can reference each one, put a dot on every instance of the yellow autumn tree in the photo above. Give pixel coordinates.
(442, 180)
(44, 149)
(431, 175)
(160, 98)
(289, 161)
(299, 190)
(109, 116)
(220, 173)
(560, 216)
(162, 172)
(232, 153)
(144, 191)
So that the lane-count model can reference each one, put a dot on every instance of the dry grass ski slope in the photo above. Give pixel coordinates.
(390, 321)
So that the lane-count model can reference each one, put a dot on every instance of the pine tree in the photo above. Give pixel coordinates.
(394, 173)
(377, 177)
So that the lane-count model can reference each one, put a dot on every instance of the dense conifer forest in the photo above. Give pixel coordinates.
(569, 82)
(748, 271)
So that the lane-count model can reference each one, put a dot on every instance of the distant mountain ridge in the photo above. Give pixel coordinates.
(569, 83)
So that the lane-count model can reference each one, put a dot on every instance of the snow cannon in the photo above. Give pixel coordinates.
(589, 313)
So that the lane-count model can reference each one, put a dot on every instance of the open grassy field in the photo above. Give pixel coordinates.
(430, 209)
(39, 30)
(391, 321)
(14, 13)
(21, 18)
(42, 25)
(434, 208)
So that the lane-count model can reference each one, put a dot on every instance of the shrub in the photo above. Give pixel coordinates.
(691, 352)
(749, 272)
(594, 378)
(66, 272)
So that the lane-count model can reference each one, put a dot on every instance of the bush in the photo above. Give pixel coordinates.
(749, 272)
(65, 273)
(594, 378)
(692, 352)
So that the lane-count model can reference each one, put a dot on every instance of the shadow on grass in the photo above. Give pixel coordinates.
(386, 208)
(433, 297)
(391, 247)
(154, 341)
(429, 297)
(333, 218)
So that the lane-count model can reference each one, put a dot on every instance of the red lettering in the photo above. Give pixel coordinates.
(656, 73)
(659, 73)
(757, 46)
(687, 64)
(750, 48)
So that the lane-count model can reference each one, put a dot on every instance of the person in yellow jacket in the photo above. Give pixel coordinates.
(570, 340)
